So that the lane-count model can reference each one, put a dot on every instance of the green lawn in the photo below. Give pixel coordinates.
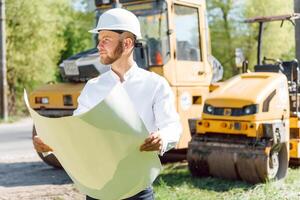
(175, 182)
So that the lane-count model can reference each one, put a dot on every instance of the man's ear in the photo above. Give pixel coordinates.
(128, 43)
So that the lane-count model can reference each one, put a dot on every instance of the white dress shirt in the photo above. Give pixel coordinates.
(150, 94)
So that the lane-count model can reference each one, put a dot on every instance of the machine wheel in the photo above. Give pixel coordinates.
(49, 159)
(294, 162)
(198, 169)
(237, 161)
(264, 168)
(273, 165)
(278, 163)
(174, 155)
(198, 166)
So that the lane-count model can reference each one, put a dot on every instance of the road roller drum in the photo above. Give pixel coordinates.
(246, 161)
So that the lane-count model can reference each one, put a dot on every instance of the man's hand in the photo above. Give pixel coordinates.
(39, 145)
(152, 143)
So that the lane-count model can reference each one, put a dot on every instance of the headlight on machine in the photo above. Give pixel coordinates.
(227, 111)
(250, 109)
(208, 109)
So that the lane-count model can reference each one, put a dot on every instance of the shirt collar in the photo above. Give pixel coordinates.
(127, 74)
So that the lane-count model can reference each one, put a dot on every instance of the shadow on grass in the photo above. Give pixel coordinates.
(178, 175)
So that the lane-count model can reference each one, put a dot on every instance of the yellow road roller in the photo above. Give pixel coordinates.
(249, 128)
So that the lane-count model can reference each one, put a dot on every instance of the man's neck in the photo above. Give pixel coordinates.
(120, 67)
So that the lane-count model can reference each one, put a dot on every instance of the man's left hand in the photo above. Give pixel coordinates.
(152, 143)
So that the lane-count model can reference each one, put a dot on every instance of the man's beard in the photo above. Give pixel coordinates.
(108, 60)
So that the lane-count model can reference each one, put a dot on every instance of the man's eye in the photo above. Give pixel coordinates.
(105, 40)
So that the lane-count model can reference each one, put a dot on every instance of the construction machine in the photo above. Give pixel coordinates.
(249, 127)
(175, 45)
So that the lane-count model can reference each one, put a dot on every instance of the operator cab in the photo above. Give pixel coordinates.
(292, 72)
(154, 48)
(152, 51)
(289, 68)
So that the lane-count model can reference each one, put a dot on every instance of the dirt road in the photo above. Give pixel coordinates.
(23, 176)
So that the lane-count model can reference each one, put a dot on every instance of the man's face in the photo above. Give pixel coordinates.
(110, 47)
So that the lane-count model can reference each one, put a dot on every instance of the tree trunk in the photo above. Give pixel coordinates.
(297, 29)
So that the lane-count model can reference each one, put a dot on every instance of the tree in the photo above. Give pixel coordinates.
(228, 31)
(224, 17)
(278, 41)
(297, 29)
(75, 33)
(39, 33)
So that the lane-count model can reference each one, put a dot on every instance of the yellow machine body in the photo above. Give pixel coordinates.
(268, 92)
(189, 74)
(55, 94)
(295, 140)
(244, 132)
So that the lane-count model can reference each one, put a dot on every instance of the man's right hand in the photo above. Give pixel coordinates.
(39, 145)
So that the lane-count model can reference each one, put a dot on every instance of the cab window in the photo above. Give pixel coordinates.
(187, 33)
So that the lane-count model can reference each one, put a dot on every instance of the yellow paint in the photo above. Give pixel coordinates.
(226, 127)
(295, 148)
(158, 70)
(55, 95)
(247, 89)
(193, 77)
(294, 122)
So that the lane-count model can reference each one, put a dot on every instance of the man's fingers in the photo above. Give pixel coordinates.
(151, 138)
(151, 142)
(148, 139)
(38, 142)
(155, 141)
(152, 146)
(37, 139)
(40, 146)
(155, 147)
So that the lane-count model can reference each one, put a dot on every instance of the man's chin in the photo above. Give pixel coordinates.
(107, 61)
(104, 62)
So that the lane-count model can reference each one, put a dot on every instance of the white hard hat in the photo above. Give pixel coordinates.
(118, 19)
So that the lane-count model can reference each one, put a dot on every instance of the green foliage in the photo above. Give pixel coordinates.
(278, 42)
(39, 35)
(228, 31)
(75, 34)
(222, 17)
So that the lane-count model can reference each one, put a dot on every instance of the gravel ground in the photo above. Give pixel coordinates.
(23, 176)
(26, 177)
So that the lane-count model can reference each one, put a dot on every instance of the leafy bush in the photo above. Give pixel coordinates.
(39, 35)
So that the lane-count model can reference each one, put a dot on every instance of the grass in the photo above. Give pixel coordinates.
(176, 183)
(11, 119)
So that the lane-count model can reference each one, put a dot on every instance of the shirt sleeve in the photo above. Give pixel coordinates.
(82, 101)
(166, 118)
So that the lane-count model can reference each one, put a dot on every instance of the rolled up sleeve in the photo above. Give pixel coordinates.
(166, 118)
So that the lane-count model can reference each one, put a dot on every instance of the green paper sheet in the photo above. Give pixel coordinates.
(99, 149)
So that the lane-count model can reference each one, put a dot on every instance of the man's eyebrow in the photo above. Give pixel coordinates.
(103, 37)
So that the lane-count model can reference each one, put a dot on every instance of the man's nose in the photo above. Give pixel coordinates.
(98, 46)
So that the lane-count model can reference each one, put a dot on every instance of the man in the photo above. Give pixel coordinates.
(118, 30)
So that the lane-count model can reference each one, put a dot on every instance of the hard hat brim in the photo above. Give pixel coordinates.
(96, 31)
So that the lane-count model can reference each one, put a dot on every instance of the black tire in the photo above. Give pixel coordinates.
(282, 156)
(197, 164)
(174, 155)
(198, 168)
(294, 163)
(50, 159)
